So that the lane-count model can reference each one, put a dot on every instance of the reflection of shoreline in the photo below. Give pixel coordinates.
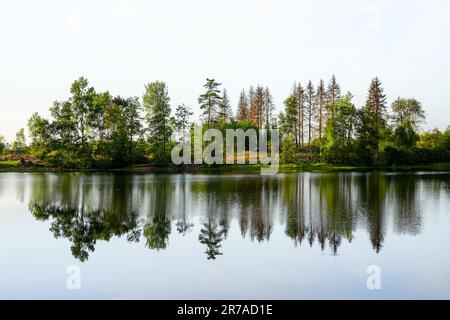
(443, 168)
(322, 208)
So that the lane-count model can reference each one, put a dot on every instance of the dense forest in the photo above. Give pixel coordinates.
(317, 124)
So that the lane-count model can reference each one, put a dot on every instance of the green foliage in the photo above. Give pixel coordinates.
(288, 119)
(224, 107)
(404, 135)
(181, 120)
(2, 144)
(211, 236)
(339, 131)
(9, 164)
(122, 126)
(19, 146)
(156, 103)
(94, 130)
(77, 122)
(288, 150)
(376, 103)
(408, 110)
(367, 136)
(209, 101)
(40, 133)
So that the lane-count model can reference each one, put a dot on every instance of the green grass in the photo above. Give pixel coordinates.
(15, 166)
(9, 164)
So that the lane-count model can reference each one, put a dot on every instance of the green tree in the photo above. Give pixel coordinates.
(181, 120)
(371, 125)
(310, 108)
(211, 236)
(288, 150)
(209, 101)
(340, 131)
(299, 93)
(408, 110)
(367, 135)
(321, 97)
(376, 102)
(76, 124)
(2, 144)
(157, 104)
(117, 137)
(288, 118)
(19, 146)
(404, 135)
(40, 133)
(82, 109)
(130, 114)
(268, 108)
(224, 107)
(333, 94)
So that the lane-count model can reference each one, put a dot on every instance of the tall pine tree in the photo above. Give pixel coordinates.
(269, 107)
(209, 101)
(181, 120)
(321, 103)
(300, 94)
(310, 109)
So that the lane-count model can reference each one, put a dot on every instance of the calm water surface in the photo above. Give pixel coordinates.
(294, 235)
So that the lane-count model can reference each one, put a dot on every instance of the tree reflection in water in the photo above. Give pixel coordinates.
(322, 209)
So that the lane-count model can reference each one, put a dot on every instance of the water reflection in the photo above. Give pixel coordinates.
(314, 209)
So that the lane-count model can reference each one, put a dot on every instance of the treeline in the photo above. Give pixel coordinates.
(318, 124)
(326, 126)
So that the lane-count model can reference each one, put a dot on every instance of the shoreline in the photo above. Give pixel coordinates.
(226, 169)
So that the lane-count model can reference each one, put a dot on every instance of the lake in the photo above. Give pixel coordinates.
(227, 236)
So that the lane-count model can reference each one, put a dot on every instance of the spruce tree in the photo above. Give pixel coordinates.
(243, 108)
(333, 94)
(376, 102)
(224, 107)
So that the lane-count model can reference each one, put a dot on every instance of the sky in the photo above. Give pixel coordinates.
(120, 45)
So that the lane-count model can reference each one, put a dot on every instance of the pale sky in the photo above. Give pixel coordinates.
(121, 45)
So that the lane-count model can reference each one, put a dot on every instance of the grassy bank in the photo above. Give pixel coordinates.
(9, 164)
(16, 166)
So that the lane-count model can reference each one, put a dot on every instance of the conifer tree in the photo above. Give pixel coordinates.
(243, 108)
(320, 103)
(269, 107)
(256, 109)
(210, 100)
(333, 94)
(310, 108)
(224, 107)
(376, 102)
(300, 94)
(181, 120)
